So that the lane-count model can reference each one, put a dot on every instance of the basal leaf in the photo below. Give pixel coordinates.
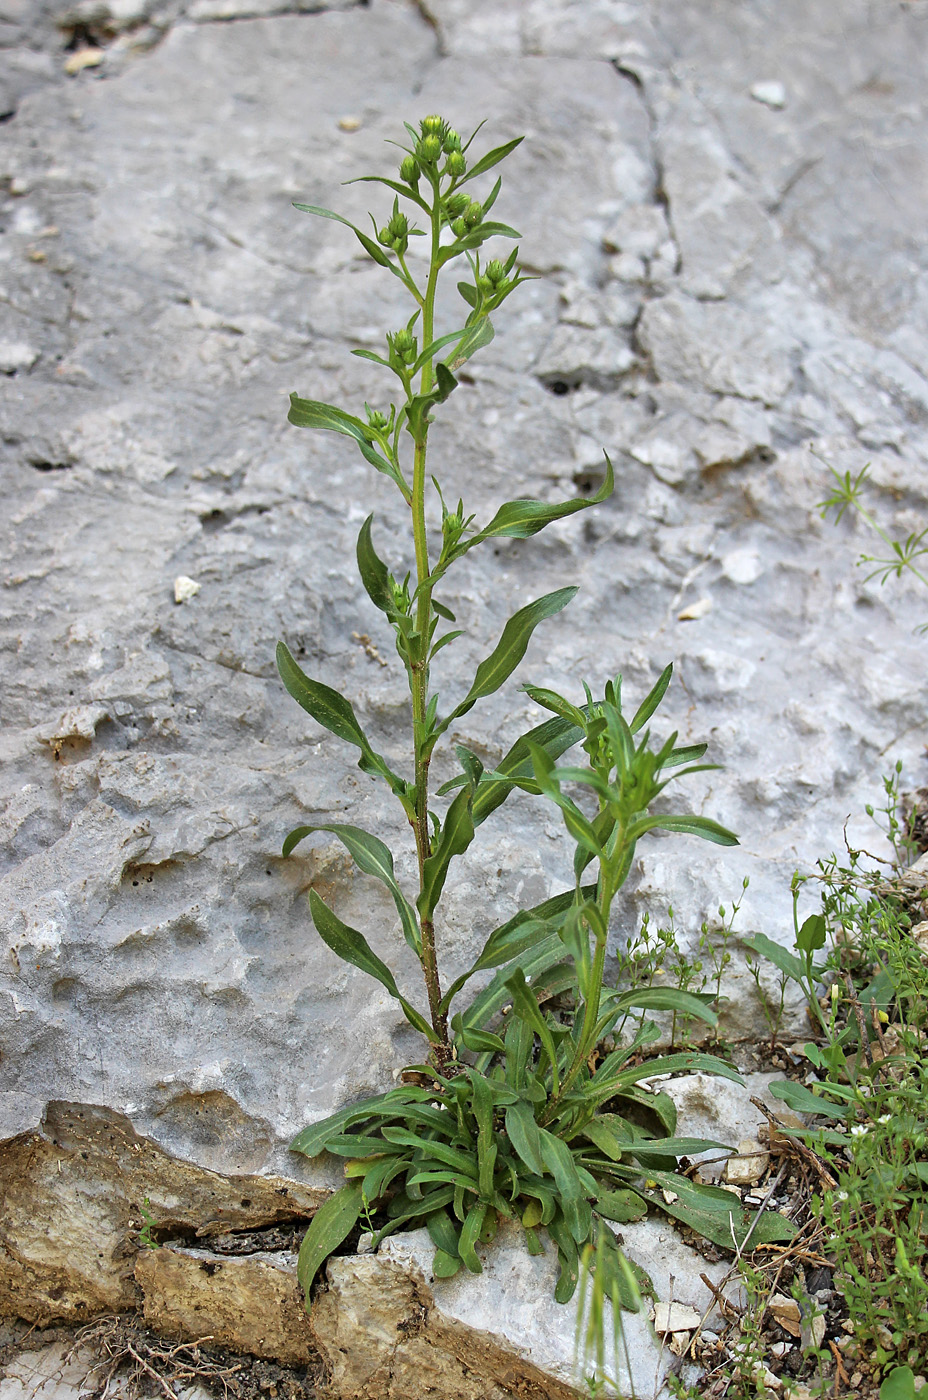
(312, 1140)
(331, 1224)
(524, 1134)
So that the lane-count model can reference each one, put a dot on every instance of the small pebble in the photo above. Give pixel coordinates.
(82, 58)
(771, 93)
(185, 588)
(350, 123)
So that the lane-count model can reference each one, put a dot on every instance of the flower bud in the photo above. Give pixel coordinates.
(459, 228)
(456, 164)
(456, 204)
(377, 420)
(495, 271)
(473, 214)
(429, 149)
(385, 237)
(409, 170)
(400, 594)
(432, 124)
(398, 225)
(451, 142)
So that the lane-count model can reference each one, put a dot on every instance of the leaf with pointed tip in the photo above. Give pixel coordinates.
(688, 825)
(470, 1234)
(367, 244)
(395, 1103)
(370, 355)
(406, 191)
(353, 947)
(456, 835)
(332, 1223)
(650, 703)
(372, 857)
(495, 669)
(334, 713)
(524, 1134)
(517, 936)
(491, 158)
(521, 518)
(475, 338)
(431, 351)
(374, 573)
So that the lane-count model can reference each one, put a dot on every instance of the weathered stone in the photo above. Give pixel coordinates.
(251, 1303)
(72, 1211)
(761, 263)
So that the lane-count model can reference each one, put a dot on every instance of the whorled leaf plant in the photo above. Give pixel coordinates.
(516, 1112)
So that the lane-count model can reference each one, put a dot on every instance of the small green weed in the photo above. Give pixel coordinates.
(848, 492)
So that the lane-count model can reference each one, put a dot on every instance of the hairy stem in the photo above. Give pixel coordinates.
(419, 670)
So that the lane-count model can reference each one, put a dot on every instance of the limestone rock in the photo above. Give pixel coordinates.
(157, 954)
(73, 1194)
(251, 1303)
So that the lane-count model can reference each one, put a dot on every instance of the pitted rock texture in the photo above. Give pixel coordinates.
(721, 282)
(76, 1194)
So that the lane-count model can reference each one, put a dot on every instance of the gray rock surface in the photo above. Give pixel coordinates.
(723, 279)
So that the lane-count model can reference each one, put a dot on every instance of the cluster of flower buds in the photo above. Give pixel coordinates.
(436, 139)
(403, 346)
(395, 234)
(493, 279)
(378, 421)
(468, 219)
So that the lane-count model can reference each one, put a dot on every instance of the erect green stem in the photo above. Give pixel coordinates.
(607, 885)
(419, 671)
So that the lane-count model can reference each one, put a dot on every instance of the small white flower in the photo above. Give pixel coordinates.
(859, 1129)
(840, 1195)
(884, 1118)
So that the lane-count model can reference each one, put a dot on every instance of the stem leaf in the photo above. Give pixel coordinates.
(353, 947)
(372, 857)
(491, 158)
(521, 518)
(334, 713)
(510, 649)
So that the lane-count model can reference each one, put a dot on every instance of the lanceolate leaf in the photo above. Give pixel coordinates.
(309, 413)
(374, 573)
(524, 1134)
(510, 649)
(522, 518)
(491, 158)
(354, 948)
(373, 858)
(456, 835)
(331, 1224)
(368, 244)
(334, 713)
(475, 338)
(394, 1104)
(690, 826)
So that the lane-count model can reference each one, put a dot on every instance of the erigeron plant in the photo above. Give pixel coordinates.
(524, 1117)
